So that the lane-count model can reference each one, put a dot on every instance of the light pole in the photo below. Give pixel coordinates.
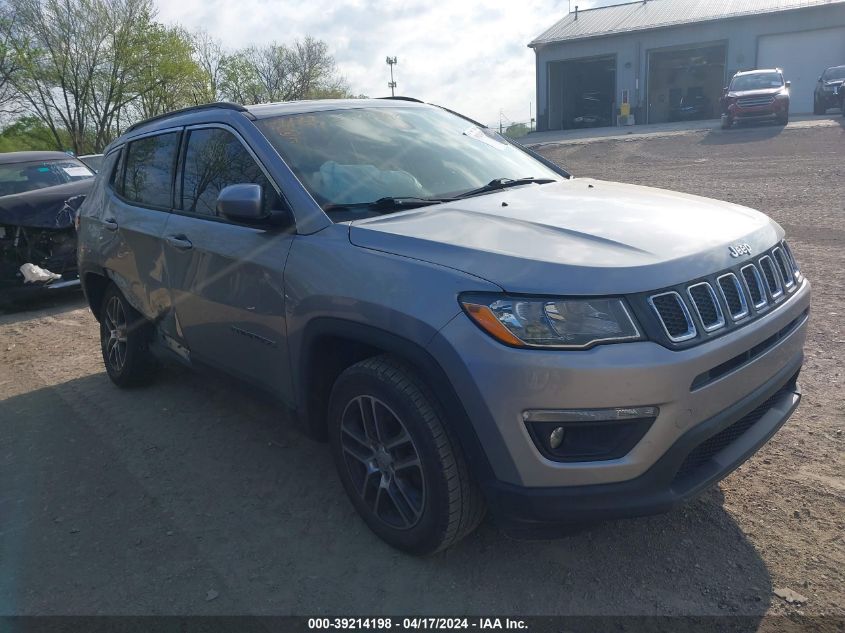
(391, 61)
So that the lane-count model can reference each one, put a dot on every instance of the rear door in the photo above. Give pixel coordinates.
(226, 278)
(139, 202)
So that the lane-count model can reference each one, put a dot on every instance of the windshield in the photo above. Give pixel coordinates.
(759, 81)
(29, 176)
(834, 73)
(360, 155)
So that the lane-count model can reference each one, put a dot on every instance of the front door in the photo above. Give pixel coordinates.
(226, 278)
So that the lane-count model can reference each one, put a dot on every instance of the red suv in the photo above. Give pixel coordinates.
(756, 95)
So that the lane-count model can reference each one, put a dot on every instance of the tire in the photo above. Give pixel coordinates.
(431, 502)
(124, 340)
(817, 107)
(727, 122)
(783, 119)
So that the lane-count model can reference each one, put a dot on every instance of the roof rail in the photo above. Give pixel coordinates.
(457, 114)
(402, 99)
(223, 105)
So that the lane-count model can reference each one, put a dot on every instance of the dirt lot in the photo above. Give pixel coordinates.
(194, 496)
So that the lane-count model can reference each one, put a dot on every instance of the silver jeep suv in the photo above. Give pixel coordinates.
(469, 326)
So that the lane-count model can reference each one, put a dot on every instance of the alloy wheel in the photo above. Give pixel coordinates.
(383, 462)
(114, 334)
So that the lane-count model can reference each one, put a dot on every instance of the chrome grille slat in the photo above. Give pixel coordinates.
(784, 267)
(754, 284)
(795, 270)
(733, 295)
(670, 309)
(706, 306)
(773, 282)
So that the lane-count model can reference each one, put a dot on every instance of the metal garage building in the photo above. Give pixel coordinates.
(661, 55)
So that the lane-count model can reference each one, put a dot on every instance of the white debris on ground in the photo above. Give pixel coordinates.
(35, 274)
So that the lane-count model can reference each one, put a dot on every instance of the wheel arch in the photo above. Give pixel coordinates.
(330, 345)
(94, 286)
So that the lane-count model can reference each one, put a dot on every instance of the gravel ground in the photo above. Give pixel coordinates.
(194, 496)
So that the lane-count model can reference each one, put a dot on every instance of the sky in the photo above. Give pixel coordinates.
(467, 55)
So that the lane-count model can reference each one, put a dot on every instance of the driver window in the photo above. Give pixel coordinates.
(215, 159)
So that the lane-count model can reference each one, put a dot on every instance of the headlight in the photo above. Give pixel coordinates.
(551, 323)
(782, 95)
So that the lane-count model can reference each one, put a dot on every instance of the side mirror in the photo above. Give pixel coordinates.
(242, 203)
(788, 84)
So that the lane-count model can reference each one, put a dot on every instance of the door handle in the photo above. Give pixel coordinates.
(179, 242)
(110, 224)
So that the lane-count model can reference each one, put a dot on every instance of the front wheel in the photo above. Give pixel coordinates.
(399, 463)
(783, 119)
(818, 108)
(727, 122)
(124, 339)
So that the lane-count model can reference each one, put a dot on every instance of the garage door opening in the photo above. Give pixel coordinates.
(581, 93)
(803, 57)
(685, 85)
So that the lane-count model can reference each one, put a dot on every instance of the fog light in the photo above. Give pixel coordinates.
(556, 437)
(581, 435)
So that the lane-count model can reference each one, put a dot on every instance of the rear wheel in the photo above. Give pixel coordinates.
(400, 465)
(124, 339)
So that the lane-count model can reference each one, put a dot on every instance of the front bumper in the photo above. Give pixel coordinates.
(498, 384)
(777, 108)
(697, 460)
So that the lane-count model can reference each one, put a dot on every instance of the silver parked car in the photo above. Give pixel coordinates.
(468, 325)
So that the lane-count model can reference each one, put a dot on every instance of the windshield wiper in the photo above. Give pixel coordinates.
(388, 203)
(504, 183)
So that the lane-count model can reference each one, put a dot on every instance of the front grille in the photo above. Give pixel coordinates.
(733, 296)
(709, 448)
(698, 309)
(706, 306)
(673, 315)
(752, 102)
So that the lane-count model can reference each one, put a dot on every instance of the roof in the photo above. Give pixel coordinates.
(264, 110)
(758, 71)
(25, 157)
(656, 14)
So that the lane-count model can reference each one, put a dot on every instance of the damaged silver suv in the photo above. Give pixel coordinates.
(469, 326)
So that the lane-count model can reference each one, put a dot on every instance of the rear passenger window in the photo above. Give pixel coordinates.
(109, 168)
(148, 175)
(216, 159)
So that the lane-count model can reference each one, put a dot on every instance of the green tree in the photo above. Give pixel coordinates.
(168, 79)
(276, 72)
(30, 133)
(515, 130)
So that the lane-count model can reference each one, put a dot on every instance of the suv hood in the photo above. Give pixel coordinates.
(578, 236)
(762, 92)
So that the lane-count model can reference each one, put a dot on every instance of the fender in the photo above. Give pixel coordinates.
(371, 338)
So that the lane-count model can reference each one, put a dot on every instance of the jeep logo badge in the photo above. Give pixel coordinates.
(739, 250)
